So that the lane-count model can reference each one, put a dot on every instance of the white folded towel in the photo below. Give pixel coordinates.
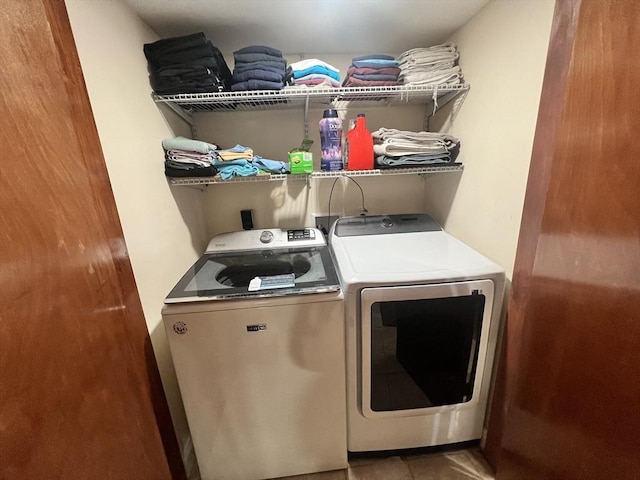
(427, 67)
(189, 160)
(445, 48)
(428, 59)
(451, 76)
(312, 62)
(393, 142)
(394, 150)
(383, 134)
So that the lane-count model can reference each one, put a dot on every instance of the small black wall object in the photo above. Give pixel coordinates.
(247, 219)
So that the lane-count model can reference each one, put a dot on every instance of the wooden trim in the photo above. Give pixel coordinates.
(575, 346)
(94, 159)
(81, 392)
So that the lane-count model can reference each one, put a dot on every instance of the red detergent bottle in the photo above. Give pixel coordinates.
(359, 146)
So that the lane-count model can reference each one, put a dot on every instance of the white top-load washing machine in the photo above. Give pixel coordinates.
(256, 332)
(422, 316)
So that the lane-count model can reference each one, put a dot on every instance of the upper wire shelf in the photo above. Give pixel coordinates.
(307, 97)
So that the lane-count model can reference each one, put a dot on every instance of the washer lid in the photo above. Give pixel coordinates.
(217, 276)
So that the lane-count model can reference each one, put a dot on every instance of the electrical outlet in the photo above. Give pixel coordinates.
(323, 222)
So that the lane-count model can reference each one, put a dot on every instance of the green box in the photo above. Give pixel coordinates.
(301, 162)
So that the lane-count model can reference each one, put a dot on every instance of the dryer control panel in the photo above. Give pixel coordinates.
(385, 224)
(260, 239)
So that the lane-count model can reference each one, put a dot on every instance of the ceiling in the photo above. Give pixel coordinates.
(311, 26)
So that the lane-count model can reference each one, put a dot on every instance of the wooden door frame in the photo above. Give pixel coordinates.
(90, 141)
(550, 113)
(112, 279)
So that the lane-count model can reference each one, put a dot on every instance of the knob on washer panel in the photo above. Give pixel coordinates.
(266, 236)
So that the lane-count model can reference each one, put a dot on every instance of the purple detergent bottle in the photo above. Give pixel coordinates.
(331, 141)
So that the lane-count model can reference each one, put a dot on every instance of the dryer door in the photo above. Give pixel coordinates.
(423, 347)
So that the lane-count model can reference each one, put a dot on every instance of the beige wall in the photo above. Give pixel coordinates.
(163, 227)
(291, 204)
(503, 51)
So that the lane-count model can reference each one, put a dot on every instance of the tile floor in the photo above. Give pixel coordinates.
(467, 464)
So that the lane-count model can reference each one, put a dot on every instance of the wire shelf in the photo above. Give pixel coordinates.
(216, 179)
(456, 167)
(192, 181)
(305, 97)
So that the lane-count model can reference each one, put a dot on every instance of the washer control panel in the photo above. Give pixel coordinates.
(301, 234)
(266, 236)
(269, 238)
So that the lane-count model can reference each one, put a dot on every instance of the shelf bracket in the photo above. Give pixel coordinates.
(437, 102)
(457, 99)
(201, 187)
(185, 115)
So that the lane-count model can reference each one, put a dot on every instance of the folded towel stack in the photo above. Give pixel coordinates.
(258, 67)
(188, 64)
(434, 65)
(240, 161)
(375, 70)
(184, 157)
(398, 148)
(312, 73)
(193, 158)
(234, 153)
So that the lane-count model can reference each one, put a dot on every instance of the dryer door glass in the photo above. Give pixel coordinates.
(422, 352)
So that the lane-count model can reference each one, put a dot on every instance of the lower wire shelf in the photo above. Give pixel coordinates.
(455, 167)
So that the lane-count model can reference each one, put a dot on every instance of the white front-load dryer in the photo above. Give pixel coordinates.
(422, 315)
